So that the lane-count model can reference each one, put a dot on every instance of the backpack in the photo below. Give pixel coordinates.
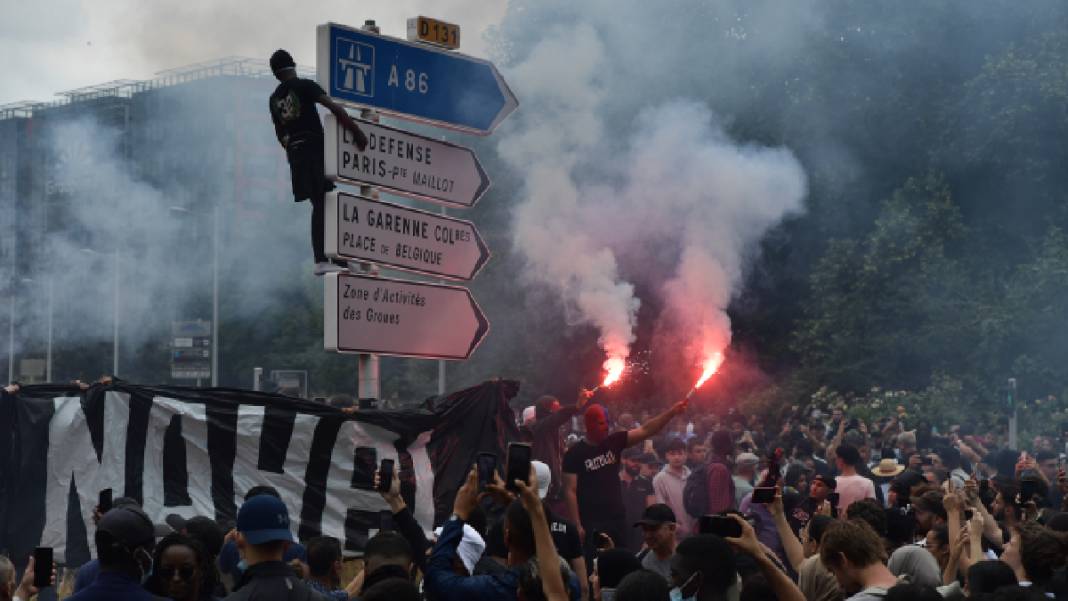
(695, 492)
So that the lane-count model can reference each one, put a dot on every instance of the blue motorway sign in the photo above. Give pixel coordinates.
(411, 81)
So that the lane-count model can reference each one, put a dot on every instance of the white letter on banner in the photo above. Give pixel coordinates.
(71, 456)
(290, 483)
(340, 496)
(194, 420)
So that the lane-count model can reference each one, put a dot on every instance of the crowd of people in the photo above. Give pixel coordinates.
(666, 507)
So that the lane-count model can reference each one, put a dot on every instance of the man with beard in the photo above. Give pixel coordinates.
(591, 474)
(638, 493)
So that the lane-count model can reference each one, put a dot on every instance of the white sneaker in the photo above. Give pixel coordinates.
(327, 267)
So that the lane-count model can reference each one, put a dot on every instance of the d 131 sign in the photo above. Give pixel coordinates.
(387, 234)
(409, 319)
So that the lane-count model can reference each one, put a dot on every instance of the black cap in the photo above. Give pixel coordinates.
(281, 60)
(829, 481)
(129, 526)
(656, 514)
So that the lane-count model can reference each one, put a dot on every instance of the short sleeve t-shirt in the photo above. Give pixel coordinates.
(597, 470)
(293, 108)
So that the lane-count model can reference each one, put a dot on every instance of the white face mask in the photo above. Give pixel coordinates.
(676, 592)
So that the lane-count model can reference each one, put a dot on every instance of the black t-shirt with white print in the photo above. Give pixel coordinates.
(293, 108)
(597, 469)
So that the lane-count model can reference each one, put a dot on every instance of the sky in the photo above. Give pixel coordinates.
(57, 45)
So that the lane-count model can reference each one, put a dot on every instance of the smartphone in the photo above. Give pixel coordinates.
(1028, 489)
(363, 470)
(601, 540)
(968, 513)
(385, 475)
(104, 502)
(833, 497)
(984, 487)
(720, 525)
(487, 465)
(519, 455)
(764, 494)
(42, 567)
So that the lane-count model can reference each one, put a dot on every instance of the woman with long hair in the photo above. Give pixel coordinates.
(182, 570)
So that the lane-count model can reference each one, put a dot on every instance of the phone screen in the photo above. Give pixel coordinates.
(42, 567)
(487, 464)
(385, 475)
(833, 499)
(764, 494)
(518, 464)
(363, 470)
(104, 502)
(720, 525)
(1028, 488)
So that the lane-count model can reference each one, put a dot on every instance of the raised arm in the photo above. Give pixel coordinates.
(654, 426)
(552, 581)
(794, 551)
(781, 584)
(345, 120)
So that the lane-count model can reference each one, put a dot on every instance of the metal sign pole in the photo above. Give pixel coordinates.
(368, 382)
(214, 296)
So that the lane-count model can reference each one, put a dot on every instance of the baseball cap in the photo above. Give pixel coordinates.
(129, 526)
(545, 477)
(747, 459)
(656, 514)
(263, 519)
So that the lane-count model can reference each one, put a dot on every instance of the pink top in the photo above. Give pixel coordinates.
(851, 489)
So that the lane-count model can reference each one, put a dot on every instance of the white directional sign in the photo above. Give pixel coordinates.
(365, 314)
(405, 163)
(402, 237)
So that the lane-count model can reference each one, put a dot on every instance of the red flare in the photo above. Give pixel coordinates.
(614, 367)
(711, 366)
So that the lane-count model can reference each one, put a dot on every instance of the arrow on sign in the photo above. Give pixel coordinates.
(366, 314)
(411, 81)
(405, 163)
(402, 237)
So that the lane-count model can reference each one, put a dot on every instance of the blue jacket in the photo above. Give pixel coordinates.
(444, 584)
(109, 586)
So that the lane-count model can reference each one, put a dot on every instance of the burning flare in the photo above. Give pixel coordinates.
(614, 367)
(711, 366)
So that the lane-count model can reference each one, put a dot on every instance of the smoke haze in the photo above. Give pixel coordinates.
(677, 206)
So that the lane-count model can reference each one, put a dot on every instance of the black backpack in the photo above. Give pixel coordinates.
(695, 493)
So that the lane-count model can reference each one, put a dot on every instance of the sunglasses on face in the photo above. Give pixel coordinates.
(184, 572)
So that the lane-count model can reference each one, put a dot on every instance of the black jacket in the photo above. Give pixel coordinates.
(273, 581)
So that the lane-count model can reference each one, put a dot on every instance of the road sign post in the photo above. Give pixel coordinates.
(363, 229)
(407, 319)
(404, 163)
(411, 81)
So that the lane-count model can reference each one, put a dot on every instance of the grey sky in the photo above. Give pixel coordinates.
(56, 45)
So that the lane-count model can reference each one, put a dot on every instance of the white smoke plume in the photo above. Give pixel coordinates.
(676, 204)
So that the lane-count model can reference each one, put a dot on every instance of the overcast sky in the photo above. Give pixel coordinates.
(54, 45)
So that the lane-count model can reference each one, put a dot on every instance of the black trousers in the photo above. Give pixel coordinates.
(310, 183)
